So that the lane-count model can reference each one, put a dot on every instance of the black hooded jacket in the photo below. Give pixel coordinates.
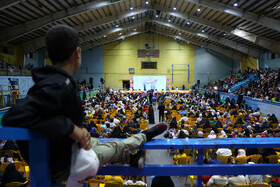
(52, 108)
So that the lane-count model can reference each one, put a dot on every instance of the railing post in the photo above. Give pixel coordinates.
(39, 163)
(200, 162)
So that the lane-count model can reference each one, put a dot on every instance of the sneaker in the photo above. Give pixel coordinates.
(155, 130)
(138, 160)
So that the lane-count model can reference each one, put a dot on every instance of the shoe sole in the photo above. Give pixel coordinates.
(141, 162)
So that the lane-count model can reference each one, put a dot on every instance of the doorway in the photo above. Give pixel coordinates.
(126, 85)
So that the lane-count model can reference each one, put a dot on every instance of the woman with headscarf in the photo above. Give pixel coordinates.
(117, 132)
(272, 119)
(127, 130)
(235, 133)
(239, 121)
(206, 125)
(194, 129)
(212, 134)
(93, 133)
(257, 128)
(225, 128)
(248, 131)
(151, 115)
(162, 181)
(173, 123)
(218, 124)
(270, 132)
(11, 175)
(246, 117)
(241, 152)
(223, 134)
(228, 120)
(203, 121)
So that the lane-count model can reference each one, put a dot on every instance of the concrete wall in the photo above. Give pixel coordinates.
(248, 62)
(37, 61)
(92, 66)
(265, 61)
(15, 55)
(24, 82)
(120, 56)
(211, 66)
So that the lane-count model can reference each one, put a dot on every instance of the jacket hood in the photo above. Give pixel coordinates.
(40, 74)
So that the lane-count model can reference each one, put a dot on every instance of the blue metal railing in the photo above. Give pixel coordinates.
(38, 154)
(40, 171)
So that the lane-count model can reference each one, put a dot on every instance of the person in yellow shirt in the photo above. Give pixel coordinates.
(179, 153)
(113, 179)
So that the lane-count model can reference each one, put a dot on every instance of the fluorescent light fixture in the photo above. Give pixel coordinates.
(147, 2)
(180, 33)
(203, 30)
(174, 8)
(235, 4)
(105, 36)
(169, 20)
(131, 8)
(134, 29)
(198, 9)
(156, 16)
(132, 17)
(188, 22)
(117, 25)
(120, 33)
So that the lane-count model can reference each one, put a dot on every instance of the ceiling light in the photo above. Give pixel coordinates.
(147, 2)
(134, 29)
(188, 42)
(225, 34)
(131, 8)
(188, 22)
(120, 33)
(174, 8)
(169, 20)
(132, 17)
(180, 33)
(105, 36)
(203, 30)
(156, 16)
(117, 25)
(235, 4)
(276, 7)
(198, 9)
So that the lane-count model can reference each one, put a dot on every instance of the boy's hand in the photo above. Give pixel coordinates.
(82, 136)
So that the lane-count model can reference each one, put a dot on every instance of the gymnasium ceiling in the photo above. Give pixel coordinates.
(230, 27)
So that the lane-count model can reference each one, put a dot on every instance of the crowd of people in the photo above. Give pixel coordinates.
(83, 86)
(194, 115)
(4, 65)
(265, 87)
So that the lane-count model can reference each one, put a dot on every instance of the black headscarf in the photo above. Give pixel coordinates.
(117, 132)
(173, 123)
(219, 124)
(162, 181)
(126, 129)
(206, 125)
(239, 121)
(12, 175)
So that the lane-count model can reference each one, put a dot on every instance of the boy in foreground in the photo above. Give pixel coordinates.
(53, 108)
